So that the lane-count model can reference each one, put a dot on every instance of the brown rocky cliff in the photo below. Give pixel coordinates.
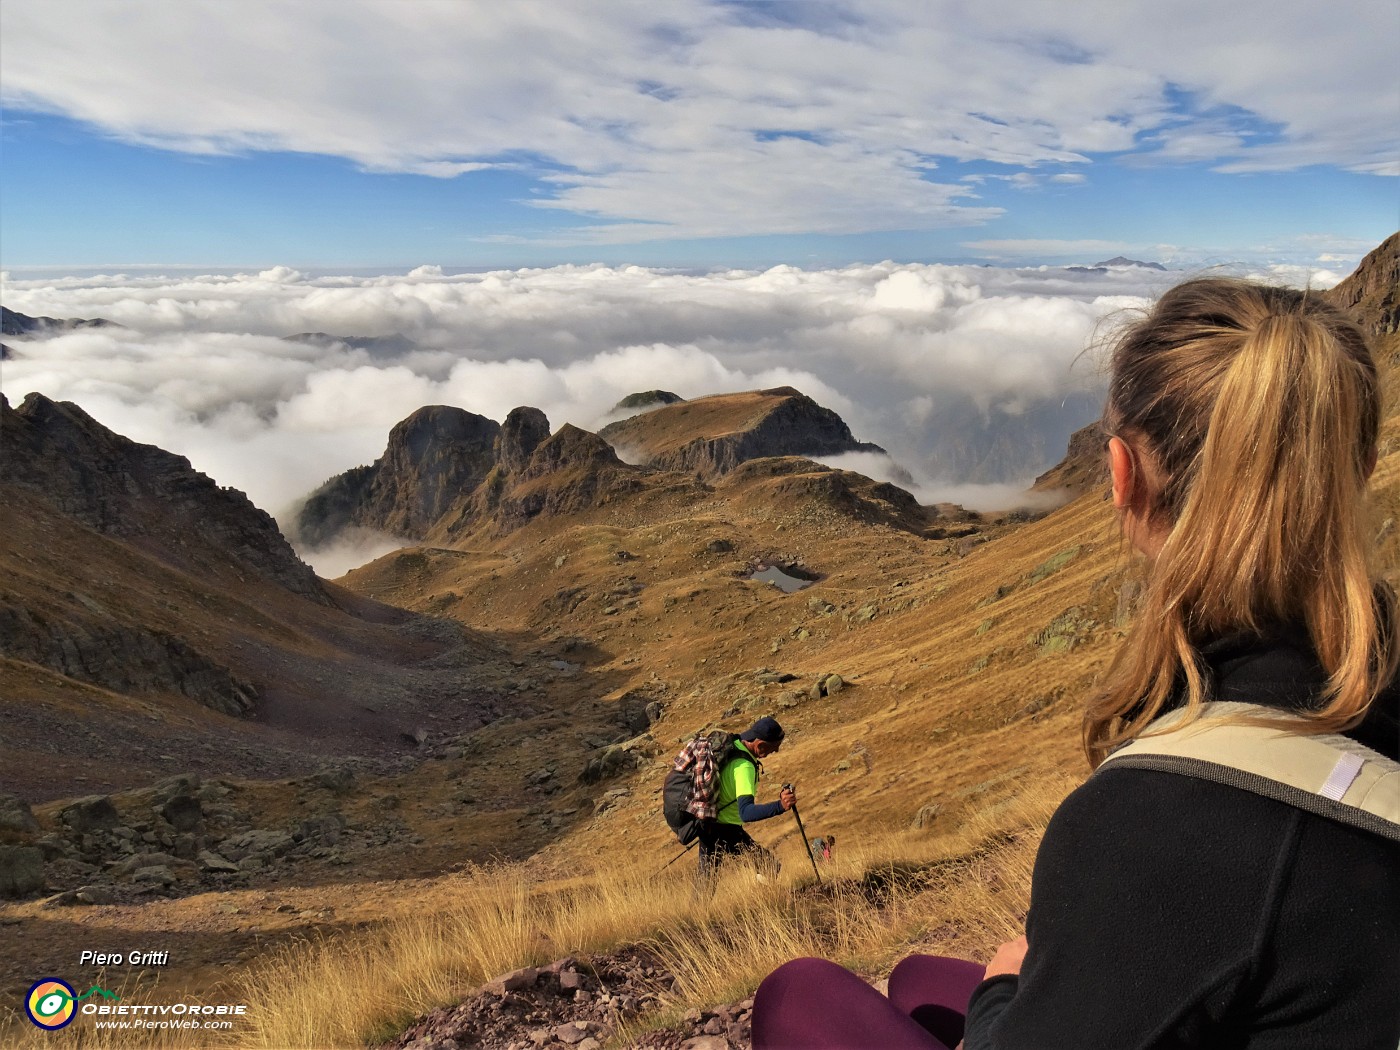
(151, 498)
(710, 436)
(433, 458)
(523, 431)
(573, 470)
(1372, 292)
(1084, 465)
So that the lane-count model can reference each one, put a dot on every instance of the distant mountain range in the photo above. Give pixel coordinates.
(1118, 262)
(14, 323)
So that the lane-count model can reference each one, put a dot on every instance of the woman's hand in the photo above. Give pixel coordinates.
(1008, 958)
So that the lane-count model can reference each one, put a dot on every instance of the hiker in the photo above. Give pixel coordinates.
(734, 800)
(823, 848)
(1184, 903)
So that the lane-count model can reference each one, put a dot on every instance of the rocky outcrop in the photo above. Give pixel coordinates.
(710, 436)
(21, 871)
(1083, 467)
(792, 481)
(123, 658)
(16, 818)
(645, 399)
(142, 494)
(572, 471)
(583, 1003)
(435, 457)
(14, 323)
(1372, 292)
(524, 430)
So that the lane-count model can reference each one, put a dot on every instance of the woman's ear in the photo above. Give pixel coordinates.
(1122, 468)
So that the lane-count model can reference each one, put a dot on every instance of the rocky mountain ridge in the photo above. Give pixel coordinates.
(1372, 291)
(141, 493)
(446, 472)
(12, 322)
(166, 616)
(710, 436)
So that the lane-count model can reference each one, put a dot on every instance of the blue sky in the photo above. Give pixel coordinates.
(384, 134)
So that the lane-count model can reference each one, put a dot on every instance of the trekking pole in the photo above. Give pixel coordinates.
(678, 856)
(803, 832)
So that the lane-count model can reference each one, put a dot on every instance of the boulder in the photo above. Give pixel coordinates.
(182, 812)
(337, 780)
(515, 981)
(571, 1032)
(15, 815)
(92, 813)
(21, 871)
(210, 861)
(94, 895)
(138, 861)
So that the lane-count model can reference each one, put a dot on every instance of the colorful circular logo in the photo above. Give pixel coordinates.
(50, 1003)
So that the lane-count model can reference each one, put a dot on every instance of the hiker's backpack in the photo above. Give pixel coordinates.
(1327, 774)
(689, 793)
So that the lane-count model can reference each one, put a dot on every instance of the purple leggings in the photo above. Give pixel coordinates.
(817, 1005)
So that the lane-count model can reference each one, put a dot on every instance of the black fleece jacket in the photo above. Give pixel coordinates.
(1171, 912)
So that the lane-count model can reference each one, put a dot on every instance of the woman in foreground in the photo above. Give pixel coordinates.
(1170, 910)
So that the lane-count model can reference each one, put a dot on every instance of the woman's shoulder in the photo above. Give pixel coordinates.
(1164, 808)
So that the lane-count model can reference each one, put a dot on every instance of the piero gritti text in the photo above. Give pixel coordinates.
(136, 958)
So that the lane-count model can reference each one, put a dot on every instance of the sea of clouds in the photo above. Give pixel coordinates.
(964, 374)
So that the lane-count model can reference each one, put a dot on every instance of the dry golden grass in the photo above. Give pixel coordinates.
(963, 893)
(884, 896)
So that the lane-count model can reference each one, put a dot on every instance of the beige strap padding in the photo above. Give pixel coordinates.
(1331, 766)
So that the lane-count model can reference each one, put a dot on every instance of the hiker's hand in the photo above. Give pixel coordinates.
(788, 798)
(1008, 958)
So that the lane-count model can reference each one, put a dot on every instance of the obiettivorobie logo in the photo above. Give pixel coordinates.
(52, 1004)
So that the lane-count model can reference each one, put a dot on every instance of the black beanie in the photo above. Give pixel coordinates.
(765, 729)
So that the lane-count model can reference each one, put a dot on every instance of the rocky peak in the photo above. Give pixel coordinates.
(1084, 465)
(434, 458)
(569, 448)
(152, 498)
(522, 432)
(1372, 292)
(710, 436)
(645, 399)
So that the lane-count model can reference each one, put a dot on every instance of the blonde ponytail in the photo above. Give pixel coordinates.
(1260, 407)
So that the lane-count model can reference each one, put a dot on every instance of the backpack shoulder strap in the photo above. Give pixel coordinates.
(1328, 774)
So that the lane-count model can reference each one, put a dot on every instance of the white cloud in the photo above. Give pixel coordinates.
(698, 119)
(960, 372)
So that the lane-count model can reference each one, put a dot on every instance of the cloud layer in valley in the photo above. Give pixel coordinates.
(965, 374)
